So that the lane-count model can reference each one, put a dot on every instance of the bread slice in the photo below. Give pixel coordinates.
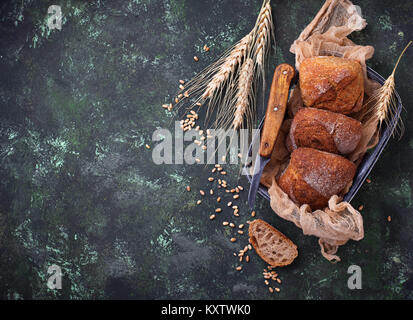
(271, 245)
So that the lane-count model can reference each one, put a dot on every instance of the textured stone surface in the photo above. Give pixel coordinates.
(79, 189)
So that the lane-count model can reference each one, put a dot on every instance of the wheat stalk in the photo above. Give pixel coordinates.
(219, 86)
(261, 35)
(385, 101)
(244, 93)
(228, 67)
(264, 31)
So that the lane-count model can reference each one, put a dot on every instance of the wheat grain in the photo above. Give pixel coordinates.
(244, 92)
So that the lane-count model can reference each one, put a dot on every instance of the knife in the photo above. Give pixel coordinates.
(274, 116)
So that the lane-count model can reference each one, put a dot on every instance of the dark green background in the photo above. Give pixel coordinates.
(79, 189)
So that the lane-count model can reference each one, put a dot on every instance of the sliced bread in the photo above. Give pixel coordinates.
(271, 245)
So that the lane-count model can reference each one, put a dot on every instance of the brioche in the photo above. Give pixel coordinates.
(271, 245)
(332, 83)
(324, 130)
(313, 176)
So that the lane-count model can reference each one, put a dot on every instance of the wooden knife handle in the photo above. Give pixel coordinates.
(277, 104)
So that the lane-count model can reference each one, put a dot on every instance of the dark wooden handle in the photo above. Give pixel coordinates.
(277, 104)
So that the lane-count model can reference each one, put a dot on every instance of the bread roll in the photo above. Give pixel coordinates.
(324, 130)
(332, 83)
(313, 176)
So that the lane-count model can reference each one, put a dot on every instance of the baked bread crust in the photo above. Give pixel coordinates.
(313, 176)
(271, 245)
(324, 130)
(332, 83)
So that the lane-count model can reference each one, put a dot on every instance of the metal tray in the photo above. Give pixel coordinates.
(370, 158)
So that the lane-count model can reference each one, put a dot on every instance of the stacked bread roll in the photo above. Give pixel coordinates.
(323, 132)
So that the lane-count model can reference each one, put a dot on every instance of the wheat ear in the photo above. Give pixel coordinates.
(244, 93)
(261, 37)
(264, 29)
(228, 67)
(386, 103)
(217, 86)
(241, 104)
(265, 32)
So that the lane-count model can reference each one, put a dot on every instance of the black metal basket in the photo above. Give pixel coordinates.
(369, 159)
